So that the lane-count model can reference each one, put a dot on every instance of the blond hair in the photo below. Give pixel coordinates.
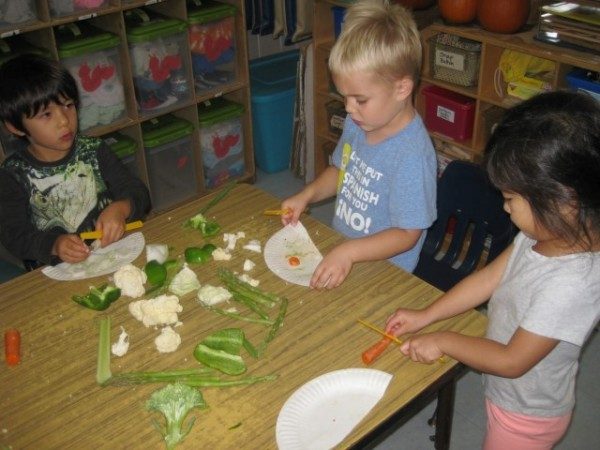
(378, 37)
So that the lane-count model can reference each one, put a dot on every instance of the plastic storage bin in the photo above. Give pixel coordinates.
(170, 160)
(17, 12)
(273, 91)
(125, 148)
(212, 43)
(449, 113)
(91, 56)
(455, 59)
(221, 140)
(59, 8)
(157, 47)
(585, 80)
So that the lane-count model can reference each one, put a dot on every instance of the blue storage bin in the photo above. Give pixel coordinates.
(338, 19)
(584, 80)
(273, 91)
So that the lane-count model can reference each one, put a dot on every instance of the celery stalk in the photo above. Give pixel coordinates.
(103, 372)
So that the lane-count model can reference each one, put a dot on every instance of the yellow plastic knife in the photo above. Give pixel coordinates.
(98, 234)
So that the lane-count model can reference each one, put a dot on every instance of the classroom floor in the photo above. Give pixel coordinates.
(469, 413)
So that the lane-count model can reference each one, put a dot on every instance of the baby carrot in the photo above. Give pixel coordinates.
(294, 261)
(373, 352)
(12, 347)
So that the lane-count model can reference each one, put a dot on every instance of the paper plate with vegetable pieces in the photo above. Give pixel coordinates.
(100, 262)
(321, 413)
(292, 255)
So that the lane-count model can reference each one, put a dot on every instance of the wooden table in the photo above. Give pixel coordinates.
(51, 399)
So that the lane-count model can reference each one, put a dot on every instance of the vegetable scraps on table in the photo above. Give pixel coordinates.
(206, 227)
(199, 255)
(100, 298)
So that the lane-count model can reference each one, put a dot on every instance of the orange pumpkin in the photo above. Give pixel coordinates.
(503, 16)
(458, 11)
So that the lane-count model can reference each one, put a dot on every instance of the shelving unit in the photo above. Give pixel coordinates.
(485, 94)
(41, 33)
(324, 92)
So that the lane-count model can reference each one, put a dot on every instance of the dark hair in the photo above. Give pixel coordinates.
(547, 149)
(28, 83)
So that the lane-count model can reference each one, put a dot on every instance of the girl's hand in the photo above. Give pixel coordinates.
(70, 248)
(406, 321)
(111, 222)
(296, 204)
(423, 348)
(332, 270)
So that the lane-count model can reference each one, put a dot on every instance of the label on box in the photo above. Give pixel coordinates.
(445, 114)
(337, 122)
(450, 60)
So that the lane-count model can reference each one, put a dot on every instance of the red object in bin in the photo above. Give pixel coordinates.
(449, 113)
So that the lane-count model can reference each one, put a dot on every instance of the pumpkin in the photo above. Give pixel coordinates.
(503, 16)
(458, 11)
(415, 4)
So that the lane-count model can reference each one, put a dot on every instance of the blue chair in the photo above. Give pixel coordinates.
(470, 220)
(9, 271)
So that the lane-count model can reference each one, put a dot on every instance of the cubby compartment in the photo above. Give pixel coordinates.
(91, 55)
(511, 68)
(62, 8)
(17, 13)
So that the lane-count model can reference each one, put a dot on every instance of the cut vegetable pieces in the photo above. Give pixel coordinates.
(221, 351)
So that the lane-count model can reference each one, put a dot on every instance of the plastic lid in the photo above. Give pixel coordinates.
(79, 38)
(208, 11)
(120, 144)
(218, 110)
(16, 45)
(164, 129)
(143, 25)
(274, 75)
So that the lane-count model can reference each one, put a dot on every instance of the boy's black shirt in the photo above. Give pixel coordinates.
(39, 201)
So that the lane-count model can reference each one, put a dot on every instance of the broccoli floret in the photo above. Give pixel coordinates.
(175, 401)
(206, 227)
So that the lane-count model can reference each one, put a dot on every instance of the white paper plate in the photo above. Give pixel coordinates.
(101, 262)
(292, 240)
(322, 412)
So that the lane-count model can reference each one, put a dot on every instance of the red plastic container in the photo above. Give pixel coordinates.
(449, 113)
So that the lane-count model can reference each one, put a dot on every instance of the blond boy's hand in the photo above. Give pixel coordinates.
(70, 248)
(333, 269)
(295, 204)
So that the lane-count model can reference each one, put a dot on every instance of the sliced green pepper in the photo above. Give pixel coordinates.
(198, 255)
(98, 299)
(221, 351)
(156, 272)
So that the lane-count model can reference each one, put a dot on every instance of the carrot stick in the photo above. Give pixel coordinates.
(373, 352)
(12, 347)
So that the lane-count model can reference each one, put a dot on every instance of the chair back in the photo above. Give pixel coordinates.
(472, 227)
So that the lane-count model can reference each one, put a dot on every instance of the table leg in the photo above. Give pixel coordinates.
(444, 413)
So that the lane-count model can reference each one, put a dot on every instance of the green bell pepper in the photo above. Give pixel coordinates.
(198, 255)
(100, 298)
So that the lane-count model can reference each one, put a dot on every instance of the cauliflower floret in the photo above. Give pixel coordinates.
(185, 281)
(248, 279)
(221, 255)
(253, 246)
(232, 238)
(130, 280)
(158, 252)
(212, 295)
(120, 347)
(161, 310)
(248, 265)
(167, 341)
